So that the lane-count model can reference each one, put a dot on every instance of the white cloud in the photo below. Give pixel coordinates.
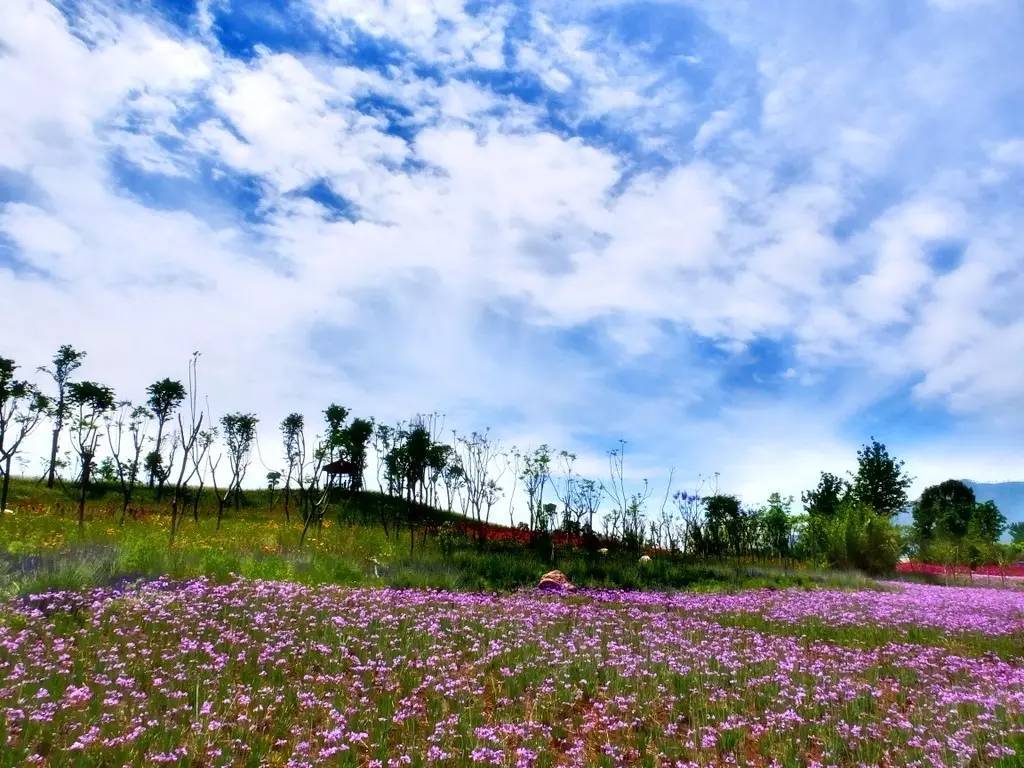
(487, 237)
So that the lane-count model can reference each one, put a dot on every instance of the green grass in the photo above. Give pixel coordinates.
(44, 548)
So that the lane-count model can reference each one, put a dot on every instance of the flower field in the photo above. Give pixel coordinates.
(274, 673)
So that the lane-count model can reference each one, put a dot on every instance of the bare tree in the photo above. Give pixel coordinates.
(204, 444)
(131, 420)
(187, 436)
(513, 460)
(22, 407)
(564, 485)
(479, 458)
(65, 362)
(91, 402)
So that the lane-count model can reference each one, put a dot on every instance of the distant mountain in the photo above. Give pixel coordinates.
(1009, 497)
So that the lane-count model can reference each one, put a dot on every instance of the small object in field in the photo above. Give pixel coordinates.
(555, 581)
(603, 551)
(645, 559)
(8, 511)
(376, 567)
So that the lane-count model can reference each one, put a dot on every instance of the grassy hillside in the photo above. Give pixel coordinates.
(368, 539)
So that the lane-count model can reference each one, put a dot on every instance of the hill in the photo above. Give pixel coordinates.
(1009, 497)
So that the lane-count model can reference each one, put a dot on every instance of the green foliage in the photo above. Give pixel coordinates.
(165, 396)
(854, 537)
(91, 396)
(778, 525)
(824, 500)
(987, 523)
(944, 510)
(881, 481)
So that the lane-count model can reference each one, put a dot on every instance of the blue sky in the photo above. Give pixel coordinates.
(743, 238)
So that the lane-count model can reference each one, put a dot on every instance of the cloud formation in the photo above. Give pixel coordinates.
(743, 240)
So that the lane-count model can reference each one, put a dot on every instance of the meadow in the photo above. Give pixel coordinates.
(422, 644)
(255, 672)
(368, 540)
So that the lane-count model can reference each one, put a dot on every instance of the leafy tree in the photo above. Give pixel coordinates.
(273, 480)
(535, 473)
(722, 524)
(453, 477)
(294, 448)
(943, 510)
(824, 500)
(355, 440)
(987, 523)
(778, 526)
(65, 362)
(880, 481)
(588, 501)
(165, 397)
(334, 441)
(91, 402)
(22, 407)
(239, 434)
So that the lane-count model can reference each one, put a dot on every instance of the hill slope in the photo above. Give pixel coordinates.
(1009, 497)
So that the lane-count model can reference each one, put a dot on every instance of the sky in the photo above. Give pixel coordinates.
(743, 237)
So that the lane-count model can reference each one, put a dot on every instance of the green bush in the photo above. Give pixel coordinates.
(854, 537)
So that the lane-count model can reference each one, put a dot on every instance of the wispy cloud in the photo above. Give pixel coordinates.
(740, 237)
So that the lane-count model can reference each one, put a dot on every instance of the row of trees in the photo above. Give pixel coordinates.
(170, 441)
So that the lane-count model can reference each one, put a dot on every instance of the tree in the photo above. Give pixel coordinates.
(91, 402)
(204, 445)
(188, 437)
(880, 481)
(165, 397)
(824, 500)
(987, 523)
(535, 473)
(778, 525)
(126, 458)
(239, 434)
(943, 510)
(588, 501)
(273, 480)
(22, 407)
(65, 362)
(334, 441)
(722, 524)
(355, 440)
(291, 436)
(478, 455)
(855, 537)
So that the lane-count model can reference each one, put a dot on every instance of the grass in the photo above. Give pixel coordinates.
(44, 548)
(250, 654)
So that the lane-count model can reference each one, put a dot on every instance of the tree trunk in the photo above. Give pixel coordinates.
(51, 472)
(6, 486)
(221, 503)
(86, 466)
